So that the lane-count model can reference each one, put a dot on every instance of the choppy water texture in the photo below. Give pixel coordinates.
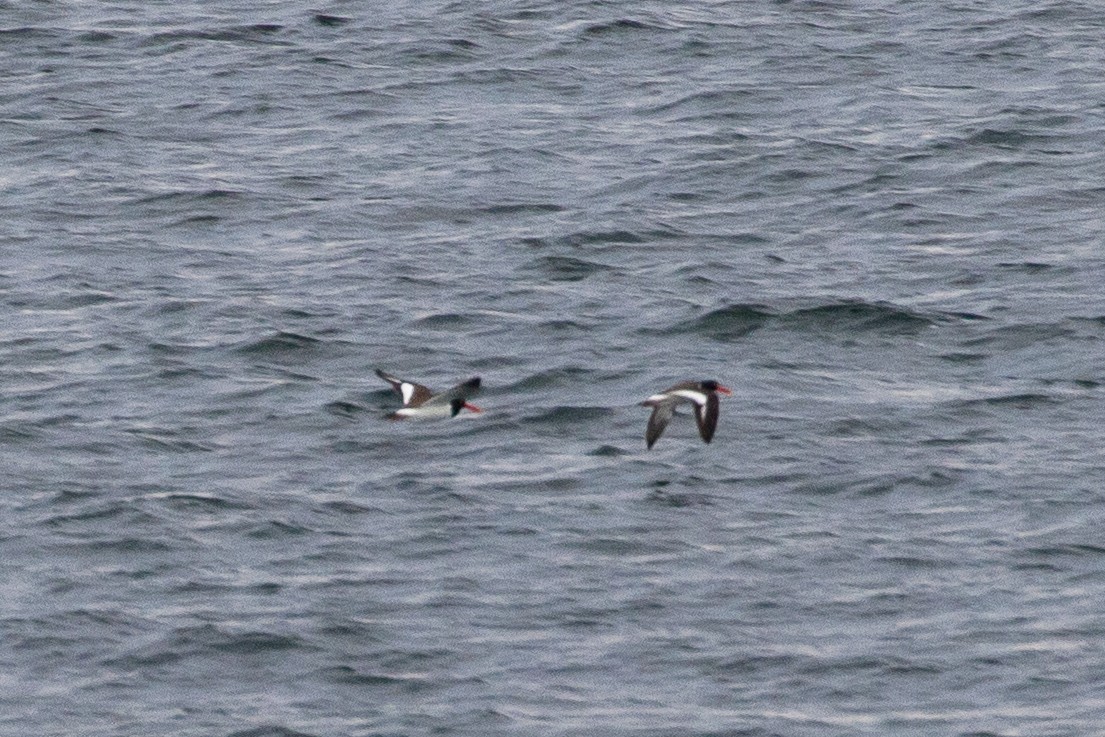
(880, 222)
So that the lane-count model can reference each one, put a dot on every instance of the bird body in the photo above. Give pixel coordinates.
(701, 394)
(421, 402)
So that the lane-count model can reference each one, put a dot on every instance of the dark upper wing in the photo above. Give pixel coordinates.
(657, 421)
(413, 394)
(459, 392)
(706, 416)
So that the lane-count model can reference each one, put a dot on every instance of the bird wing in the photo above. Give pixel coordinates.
(658, 420)
(706, 415)
(458, 393)
(413, 394)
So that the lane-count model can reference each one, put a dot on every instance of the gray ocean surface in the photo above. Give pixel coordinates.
(879, 222)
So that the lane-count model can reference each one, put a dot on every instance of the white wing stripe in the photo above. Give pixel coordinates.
(697, 397)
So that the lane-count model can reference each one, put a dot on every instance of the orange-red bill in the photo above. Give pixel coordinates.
(724, 389)
(472, 407)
